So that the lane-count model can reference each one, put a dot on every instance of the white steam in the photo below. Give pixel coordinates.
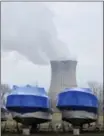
(28, 28)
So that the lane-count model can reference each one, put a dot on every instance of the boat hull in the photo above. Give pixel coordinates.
(32, 118)
(78, 117)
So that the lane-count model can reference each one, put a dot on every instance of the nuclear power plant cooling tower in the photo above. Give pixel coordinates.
(63, 76)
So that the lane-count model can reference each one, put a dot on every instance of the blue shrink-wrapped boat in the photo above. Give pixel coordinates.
(29, 104)
(78, 105)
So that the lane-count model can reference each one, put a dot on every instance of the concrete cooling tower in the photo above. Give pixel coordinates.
(63, 76)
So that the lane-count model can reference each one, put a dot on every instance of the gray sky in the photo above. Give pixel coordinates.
(66, 30)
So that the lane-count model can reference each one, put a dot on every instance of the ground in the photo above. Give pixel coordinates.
(56, 134)
(56, 119)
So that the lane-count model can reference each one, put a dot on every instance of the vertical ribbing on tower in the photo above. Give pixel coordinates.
(63, 75)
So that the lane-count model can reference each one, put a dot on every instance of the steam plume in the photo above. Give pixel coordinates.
(29, 29)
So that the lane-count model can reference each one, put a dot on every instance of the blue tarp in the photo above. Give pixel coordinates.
(79, 99)
(28, 99)
(29, 90)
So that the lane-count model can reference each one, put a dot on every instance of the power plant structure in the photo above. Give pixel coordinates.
(31, 105)
(63, 75)
(77, 105)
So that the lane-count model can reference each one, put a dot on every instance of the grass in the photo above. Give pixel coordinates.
(56, 117)
(101, 119)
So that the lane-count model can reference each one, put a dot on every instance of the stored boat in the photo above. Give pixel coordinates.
(29, 105)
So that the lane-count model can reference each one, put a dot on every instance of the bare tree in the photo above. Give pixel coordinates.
(97, 89)
(5, 89)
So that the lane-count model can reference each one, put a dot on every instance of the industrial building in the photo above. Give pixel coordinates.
(63, 75)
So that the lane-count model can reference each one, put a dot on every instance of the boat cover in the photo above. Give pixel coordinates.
(77, 99)
(27, 99)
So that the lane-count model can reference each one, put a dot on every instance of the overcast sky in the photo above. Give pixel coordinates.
(66, 30)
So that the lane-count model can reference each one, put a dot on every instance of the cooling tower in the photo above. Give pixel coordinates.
(63, 75)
